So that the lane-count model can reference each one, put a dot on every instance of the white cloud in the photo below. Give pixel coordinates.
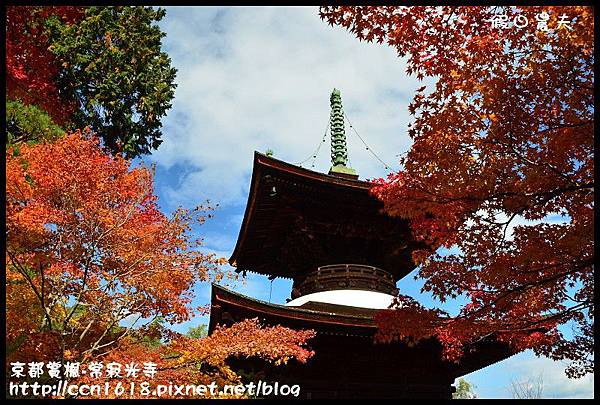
(555, 383)
(495, 381)
(257, 78)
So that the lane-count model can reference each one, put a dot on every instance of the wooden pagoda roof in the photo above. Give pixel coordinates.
(298, 219)
(313, 313)
(228, 306)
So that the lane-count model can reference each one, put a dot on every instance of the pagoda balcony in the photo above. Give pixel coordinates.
(345, 277)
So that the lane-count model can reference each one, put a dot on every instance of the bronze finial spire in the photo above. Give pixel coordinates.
(339, 150)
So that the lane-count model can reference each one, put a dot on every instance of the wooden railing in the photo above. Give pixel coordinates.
(346, 277)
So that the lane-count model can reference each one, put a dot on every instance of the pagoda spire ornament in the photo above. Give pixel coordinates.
(339, 150)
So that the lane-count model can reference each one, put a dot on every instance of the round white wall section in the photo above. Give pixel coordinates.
(352, 298)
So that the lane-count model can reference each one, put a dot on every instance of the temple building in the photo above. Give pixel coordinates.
(329, 235)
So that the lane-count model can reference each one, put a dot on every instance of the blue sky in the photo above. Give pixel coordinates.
(260, 78)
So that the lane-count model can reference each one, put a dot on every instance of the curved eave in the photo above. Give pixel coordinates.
(262, 162)
(342, 320)
(329, 314)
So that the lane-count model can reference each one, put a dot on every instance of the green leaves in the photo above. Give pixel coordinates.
(197, 332)
(29, 124)
(464, 390)
(113, 67)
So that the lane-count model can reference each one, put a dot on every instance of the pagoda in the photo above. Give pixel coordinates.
(328, 234)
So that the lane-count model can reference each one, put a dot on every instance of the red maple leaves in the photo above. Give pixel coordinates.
(31, 68)
(504, 137)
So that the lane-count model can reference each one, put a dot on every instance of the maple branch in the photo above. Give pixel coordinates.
(49, 320)
(521, 288)
(93, 247)
(24, 273)
(106, 330)
(124, 334)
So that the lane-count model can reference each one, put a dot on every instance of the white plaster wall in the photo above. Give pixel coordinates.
(354, 298)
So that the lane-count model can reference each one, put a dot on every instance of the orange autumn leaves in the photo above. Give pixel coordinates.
(185, 360)
(90, 257)
(503, 137)
(90, 244)
(93, 226)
